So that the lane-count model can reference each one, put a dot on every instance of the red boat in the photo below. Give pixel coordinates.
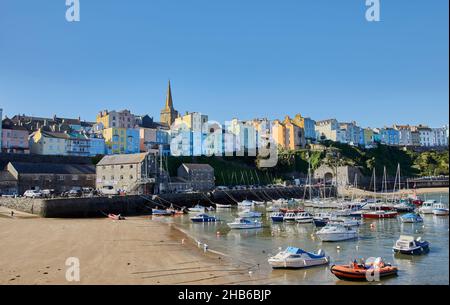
(363, 272)
(285, 210)
(379, 214)
(115, 217)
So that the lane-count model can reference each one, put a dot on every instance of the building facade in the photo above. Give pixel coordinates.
(128, 172)
(14, 139)
(57, 176)
(116, 119)
(199, 176)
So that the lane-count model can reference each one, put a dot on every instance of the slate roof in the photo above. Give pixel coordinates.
(53, 168)
(122, 159)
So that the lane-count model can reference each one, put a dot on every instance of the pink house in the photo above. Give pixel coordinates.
(14, 139)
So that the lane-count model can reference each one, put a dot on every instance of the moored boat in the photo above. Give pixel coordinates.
(243, 223)
(159, 212)
(427, 207)
(223, 206)
(277, 217)
(293, 257)
(379, 214)
(369, 271)
(245, 204)
(440, 209)
(289, 216)
(321, 219)
(411, 218)
(336, 232)
(204, 218)
(408, 245)
(197, 209)
(346, 222)
(304, 217)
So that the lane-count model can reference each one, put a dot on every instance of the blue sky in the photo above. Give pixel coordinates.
(228, 58)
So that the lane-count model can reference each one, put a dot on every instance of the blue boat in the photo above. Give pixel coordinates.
(158, 212)
(277, 217)
(204, 218)
(411, 246)
(411, 218)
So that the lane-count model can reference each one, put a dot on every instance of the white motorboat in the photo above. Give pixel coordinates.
(440, 209)
(197, 209)
(297, 258)
(258, 202)
(223, 206)
(243, 223)
(427, 207)
(245, 204)
(289, 216)
(304, 217)
(249, 214)
(409, 245)
(336, 232)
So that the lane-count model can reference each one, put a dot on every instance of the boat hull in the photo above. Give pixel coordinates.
(331, 237)
(379, 216)
(298, 263)
(243, 227)
(414, 251)
(348, 274)
(440, 212)
(277, 218)
(320, 223)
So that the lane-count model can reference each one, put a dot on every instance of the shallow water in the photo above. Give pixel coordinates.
(255, 246)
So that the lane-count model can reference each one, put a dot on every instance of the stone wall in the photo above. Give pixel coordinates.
(142, 205)
(28, 205)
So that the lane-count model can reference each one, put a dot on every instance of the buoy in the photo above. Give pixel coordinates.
(205, 247)
(218, 233)
(338, 247)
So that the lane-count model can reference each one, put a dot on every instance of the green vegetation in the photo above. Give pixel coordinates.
(244, 170)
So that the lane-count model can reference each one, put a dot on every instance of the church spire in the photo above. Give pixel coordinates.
(169, 102)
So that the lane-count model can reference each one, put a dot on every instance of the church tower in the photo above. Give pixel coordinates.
(168, 113)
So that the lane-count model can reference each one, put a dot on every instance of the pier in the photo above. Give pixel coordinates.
(142, 204)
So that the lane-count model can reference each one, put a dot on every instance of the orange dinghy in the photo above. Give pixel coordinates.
(364, 272)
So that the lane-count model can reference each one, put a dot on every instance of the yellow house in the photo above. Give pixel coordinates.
(278, 133)
(115, 140)
(295, 136)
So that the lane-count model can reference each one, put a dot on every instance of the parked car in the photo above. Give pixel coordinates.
(48, 193)
(108, 190)
(75, 193)
(32, 194)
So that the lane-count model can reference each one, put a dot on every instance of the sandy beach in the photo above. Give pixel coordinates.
(138, 250)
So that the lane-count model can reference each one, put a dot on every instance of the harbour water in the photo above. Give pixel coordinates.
(376, 238)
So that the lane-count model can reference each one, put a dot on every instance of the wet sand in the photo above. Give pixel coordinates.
(133, 251)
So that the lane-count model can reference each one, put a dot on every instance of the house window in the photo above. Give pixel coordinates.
(35, 178)
(103, 177)
(61, 178)
(112, 177)
(121, 177)
(74, 177)
(131, 166)
(121, 166)
(131, 177)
